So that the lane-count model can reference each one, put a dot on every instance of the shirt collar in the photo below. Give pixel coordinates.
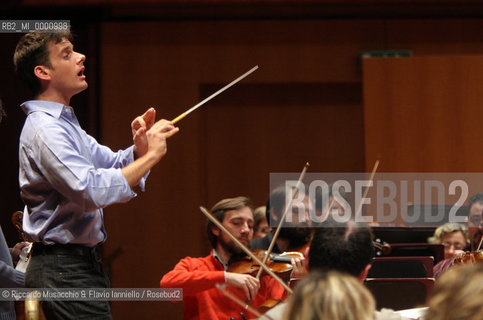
(215, 255)
(55, 109)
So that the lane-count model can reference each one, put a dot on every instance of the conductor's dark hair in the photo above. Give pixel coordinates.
(33, 50)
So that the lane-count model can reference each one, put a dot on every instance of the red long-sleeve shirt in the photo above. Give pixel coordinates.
(202, 300)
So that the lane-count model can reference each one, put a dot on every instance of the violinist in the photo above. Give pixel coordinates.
(452, 236)
(342, 247)
(475, 221)
(261, 227)
(198, 277)
(474, 227)
(336, 202)
(296, 231)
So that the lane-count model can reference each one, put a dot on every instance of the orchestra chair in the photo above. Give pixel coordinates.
(402, 267)
(400, 293)
(417, 250)
(403, 234)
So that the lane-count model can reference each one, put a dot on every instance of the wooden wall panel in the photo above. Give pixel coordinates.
(260, 128)
(422, 113)
(306, 66)
(303, 104)
(435, 36)
(309, 72)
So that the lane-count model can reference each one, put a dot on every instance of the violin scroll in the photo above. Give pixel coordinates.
(382, 248)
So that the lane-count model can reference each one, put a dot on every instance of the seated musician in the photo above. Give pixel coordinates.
(452, 236)
(327, 199)
(296, 231)
(474, 223)
(198, 276)
(474, 226)
(344, 247)
(260, 227)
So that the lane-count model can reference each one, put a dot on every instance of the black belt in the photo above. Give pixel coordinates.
(67, 249)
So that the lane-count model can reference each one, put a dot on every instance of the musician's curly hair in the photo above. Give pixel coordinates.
(448, 228)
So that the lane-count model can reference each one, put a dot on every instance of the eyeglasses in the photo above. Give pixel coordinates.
(475, 219)
(456, 245)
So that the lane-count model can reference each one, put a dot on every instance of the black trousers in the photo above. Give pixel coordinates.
(68, 266)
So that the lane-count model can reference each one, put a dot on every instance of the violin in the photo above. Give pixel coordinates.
(469, 257)
(382, 247)
(249, 267)
(280, 264)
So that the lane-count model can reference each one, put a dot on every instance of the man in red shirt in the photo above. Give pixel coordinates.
(198, 276)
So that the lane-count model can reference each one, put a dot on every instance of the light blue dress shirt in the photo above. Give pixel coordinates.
(66, 177)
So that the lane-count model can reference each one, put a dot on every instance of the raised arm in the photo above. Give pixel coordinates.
(156, 145)
(139, 127)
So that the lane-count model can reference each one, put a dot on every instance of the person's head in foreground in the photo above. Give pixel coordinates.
(330, 295)
(457, 295)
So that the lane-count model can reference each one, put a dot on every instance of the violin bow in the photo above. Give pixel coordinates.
(222, 288)
(479, 245)
(245, 249)
(331, 204)
(184, 114)
(282, 219)
(359, 209)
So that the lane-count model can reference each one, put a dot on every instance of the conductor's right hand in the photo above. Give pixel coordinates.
(156, 138)
(156, 148)
(249, 284)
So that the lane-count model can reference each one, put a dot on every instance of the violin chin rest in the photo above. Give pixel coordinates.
(285, 257)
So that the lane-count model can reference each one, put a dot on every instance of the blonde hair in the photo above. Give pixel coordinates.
(332, 295)
(457, 294)
(447, 228)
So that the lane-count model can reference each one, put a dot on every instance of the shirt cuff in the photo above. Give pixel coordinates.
(142, 182)
(20, 278)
